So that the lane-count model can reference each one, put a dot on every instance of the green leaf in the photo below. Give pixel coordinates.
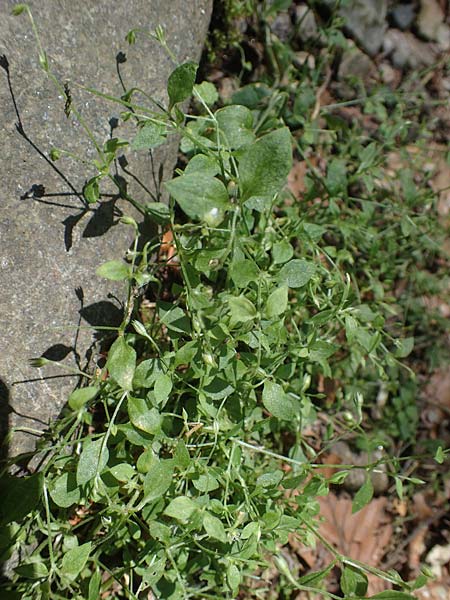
(158, 480)
(78, 398)
(75, 559)
(277, 302)
(205, 165)
(236, 126)
(18, 9)
(151, 135)
(200, 196)
(55, 154)
(32, 570)
(123, 471)
(297, 272)
(163, 387)
(158, 212)
(233, 578)
(91, 190)
(205, 483)
(64, 490)
(174, 318)
(320, 350)
(276, 6)
(153, 573)
(144, 418)
(93, 460)
(181, 82)
(393, 595)
(241, 310)
(336, 178)
(270, 479)
(121, 363)
(277, 402)
(353, 582)
(404, 347)
(363, 496)
(265, 165)
(115, 270)
(181, 508)
(282, 252)
(181, 456)
(20, 495)
(244, 272)
(214, 528)
(146, 373)
(207, 92)
(439, 457)
(94, 586)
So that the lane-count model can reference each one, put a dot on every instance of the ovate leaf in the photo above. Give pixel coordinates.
(241, 310)
(64, 490)
(115, 270)
(93, 460)
(297, 272)
(121, 363)
(78, 398)
(158, 480)
(353, 581)
(150, 136)
(236, 126)
(404, 347)
(91, 191)
(75, 559)
(277, 302)
(244, 272)
(181, 82)
(200, 196)
(214, 528)
(181, 508)
(265, 165)
(32, 570)
(363, 496)
(207, 92)
(277, 402)
(163, 387)
(144, 418)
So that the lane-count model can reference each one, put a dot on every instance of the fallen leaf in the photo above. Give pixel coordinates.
(296, 178)
(416, 549)
(363, 536)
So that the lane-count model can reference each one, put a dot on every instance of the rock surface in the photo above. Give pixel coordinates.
(365, 20)
(406, 51)
(49, 247)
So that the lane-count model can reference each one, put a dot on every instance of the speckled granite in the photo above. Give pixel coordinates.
(50, 250)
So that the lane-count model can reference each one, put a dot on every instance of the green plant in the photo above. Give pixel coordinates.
(183, 466)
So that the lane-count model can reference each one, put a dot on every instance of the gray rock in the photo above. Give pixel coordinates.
(305, 24)
(403, 15)
(282, 27)
(430, 18)
(406, 51)
(49, 247)
(355, 69)
(365, 21)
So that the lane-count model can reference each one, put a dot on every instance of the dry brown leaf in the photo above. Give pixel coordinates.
(438, 388)
(296, 178)
(421, 507)
(363, 536)
(416, 549)
(400, 507)
(434, 591)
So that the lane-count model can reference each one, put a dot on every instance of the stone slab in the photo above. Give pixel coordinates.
(49, 249)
